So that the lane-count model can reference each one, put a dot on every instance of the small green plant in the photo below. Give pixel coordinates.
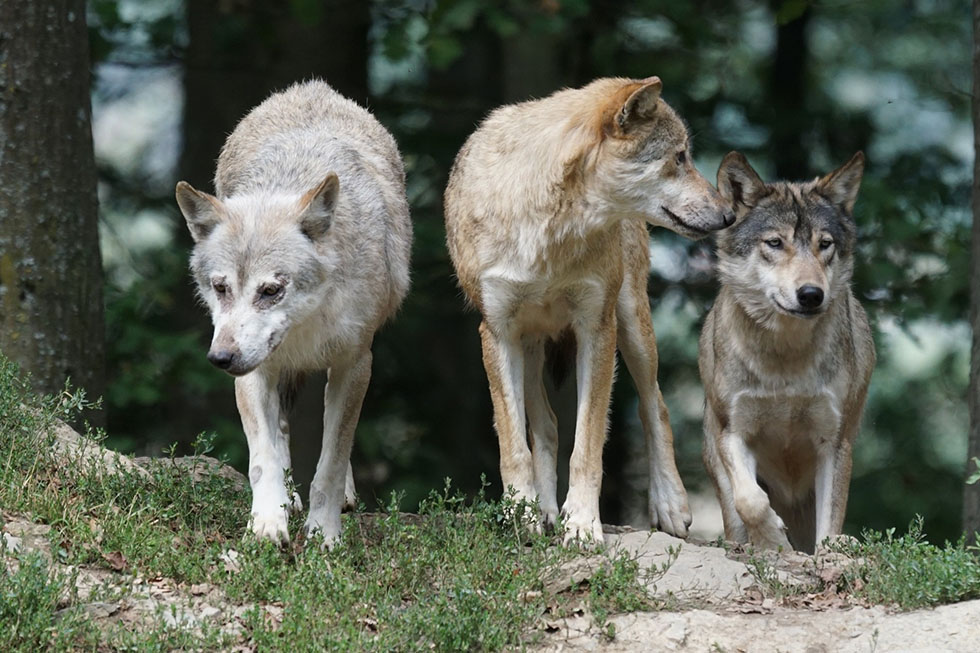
(909, 572)
(30, 597)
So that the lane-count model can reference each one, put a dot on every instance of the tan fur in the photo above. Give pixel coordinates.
(785, 383)
(545, 211)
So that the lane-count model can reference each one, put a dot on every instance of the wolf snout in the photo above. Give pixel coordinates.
(223, 359)
(809, 296)
(728, 217)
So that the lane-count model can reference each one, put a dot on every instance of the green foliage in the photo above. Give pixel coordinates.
(909, 572)
(30, 596)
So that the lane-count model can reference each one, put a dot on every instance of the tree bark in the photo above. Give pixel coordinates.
(51, 308)
(787, 89)
(971, 493)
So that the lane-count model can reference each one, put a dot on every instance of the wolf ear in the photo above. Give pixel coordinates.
(316, 207)
(202, 212)
(738, 182)
(841, 186)
(641, 105)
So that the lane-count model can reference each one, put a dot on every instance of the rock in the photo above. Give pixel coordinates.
(699, 573)
(75, 450)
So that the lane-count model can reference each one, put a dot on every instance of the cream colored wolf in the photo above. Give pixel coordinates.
(545, 213)
(300, 258)
(785, 357)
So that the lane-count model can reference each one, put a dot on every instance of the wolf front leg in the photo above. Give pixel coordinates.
(543, 431)
(342, 399)
(765, 528)
(734, 528)
(669, 510)
(503, 358)
(833, 478)
(258, 406)
(595, 364)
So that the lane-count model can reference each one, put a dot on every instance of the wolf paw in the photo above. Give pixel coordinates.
(584, 532)
(329, 533)
(270, 526)
(669, 512)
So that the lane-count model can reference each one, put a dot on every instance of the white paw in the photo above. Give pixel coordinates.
(327, 527)
(669, 511)
(271, 526)
(583, 531)
(581, 521)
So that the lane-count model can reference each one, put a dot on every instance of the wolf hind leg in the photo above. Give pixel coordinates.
(543, 431)
(350, 494)
(342, 399)
(669, 509)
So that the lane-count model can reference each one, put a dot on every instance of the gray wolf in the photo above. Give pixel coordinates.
(300, 257)
(545, 211)
(786, 356)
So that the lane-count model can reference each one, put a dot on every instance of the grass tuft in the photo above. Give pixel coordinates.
(908, 572)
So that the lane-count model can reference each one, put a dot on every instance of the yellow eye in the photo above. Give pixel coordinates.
(270, 290)
(775, 243)
(826, 243)
(220, 288)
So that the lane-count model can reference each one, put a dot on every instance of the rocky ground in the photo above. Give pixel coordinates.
(711, 597)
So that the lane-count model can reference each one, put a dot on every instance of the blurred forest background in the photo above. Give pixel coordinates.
(797, 86)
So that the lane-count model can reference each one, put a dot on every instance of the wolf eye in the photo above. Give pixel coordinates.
(825, 243)
(681, 157)
(270, 290)
(775, 243)
(219, 287)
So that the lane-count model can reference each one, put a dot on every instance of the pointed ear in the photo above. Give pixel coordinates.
(841, 186)
(738, 182)
(641, 105)
(202, 212)
(317, 207)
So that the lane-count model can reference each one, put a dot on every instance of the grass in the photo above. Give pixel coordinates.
(907, 572)
(460, 575)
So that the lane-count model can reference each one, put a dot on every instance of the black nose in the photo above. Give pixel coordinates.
(221, 359)
(729, 218)
(809, 296)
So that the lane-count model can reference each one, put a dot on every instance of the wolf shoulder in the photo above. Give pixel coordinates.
(288, 138)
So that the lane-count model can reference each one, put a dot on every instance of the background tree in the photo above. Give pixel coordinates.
(971, 494)
(51, 311)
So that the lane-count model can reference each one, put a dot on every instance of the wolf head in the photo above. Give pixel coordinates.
(257, 262)
(645, 162)
(790, 251)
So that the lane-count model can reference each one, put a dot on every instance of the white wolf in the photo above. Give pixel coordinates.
(300, 258)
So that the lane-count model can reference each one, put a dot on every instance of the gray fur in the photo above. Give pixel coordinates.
(300, 258)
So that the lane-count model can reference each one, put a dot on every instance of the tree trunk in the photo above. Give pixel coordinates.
(51, 307)
(971, 494)
(787, 90)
